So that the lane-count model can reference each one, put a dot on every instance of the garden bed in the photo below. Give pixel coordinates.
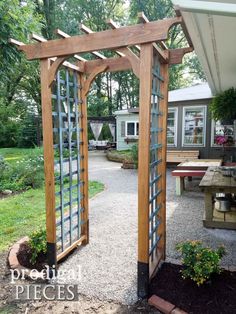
(24, 256)
(119, 156)
(216, 296)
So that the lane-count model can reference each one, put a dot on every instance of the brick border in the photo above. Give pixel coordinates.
(15, 264)
(164, 306)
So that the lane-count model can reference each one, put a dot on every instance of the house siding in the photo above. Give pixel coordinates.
(206, 151)
(120, 136)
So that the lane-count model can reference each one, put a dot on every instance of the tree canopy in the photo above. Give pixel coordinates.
(19, 79)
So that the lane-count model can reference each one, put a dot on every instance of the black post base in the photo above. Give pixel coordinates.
(143, 280)
(52, 258)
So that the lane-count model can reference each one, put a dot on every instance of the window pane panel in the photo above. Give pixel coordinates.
(194, 120)
(130, 128)
(171, 127)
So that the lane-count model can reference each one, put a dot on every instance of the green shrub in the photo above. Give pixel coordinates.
(38, 244)
(8, 127)
(134, 154)
(3, 166)
(26, 173)
(199, 262)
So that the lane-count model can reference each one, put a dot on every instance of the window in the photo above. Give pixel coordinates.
(219, 130)
(172, 127)
(194, 125)
(132, 129)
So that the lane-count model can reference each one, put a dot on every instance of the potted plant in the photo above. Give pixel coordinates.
(223, 106)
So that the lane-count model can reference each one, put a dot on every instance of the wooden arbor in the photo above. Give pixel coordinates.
(64, 87)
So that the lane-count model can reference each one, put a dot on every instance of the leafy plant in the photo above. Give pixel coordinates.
(223, 105)
(134, 154)
(26, 173)
(3, 165)
(38, 244)
(199, 262)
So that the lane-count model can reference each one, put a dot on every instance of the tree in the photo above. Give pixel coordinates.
(19, 80)
(190, 70)
(94, 13)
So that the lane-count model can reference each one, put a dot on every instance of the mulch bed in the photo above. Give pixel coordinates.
(216, 296)
(24, 256)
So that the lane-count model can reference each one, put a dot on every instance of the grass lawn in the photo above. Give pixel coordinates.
(14, 154)
(23, 213)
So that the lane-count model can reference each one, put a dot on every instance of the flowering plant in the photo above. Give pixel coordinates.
(221, 139)
(199, 262)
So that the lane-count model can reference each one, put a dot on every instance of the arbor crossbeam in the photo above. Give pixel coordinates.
(109, 39)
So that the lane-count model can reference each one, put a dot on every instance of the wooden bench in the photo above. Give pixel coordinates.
(181, 174)
(177, 156)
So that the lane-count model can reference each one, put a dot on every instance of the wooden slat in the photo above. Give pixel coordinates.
(38, 38)
(65, 35)
(84, 160)
(176, 55)
(109, 39)
(15, 42)
(162, 54)
(185, 30)
(181, 156)
(113, 64)
(142, 18)
(48, 153)
(41, 39)
(146, 59)
(70, 248)
(164, 109)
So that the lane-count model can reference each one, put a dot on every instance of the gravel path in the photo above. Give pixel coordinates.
(108, 263)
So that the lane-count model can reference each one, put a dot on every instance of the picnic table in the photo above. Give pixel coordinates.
(199, 164)
(192, 168)
(212, 183)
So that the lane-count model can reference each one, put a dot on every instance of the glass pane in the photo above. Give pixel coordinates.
(171, 123)
(171, 115)
(130, 128)
(170, 140)
(194, 126)
(137, 130)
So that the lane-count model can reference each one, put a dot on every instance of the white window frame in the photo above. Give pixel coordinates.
(135, 129)
(204, 107)
(175, 110)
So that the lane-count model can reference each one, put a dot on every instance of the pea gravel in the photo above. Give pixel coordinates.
(108, 264)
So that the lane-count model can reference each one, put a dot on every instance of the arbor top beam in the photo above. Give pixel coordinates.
(109, 39)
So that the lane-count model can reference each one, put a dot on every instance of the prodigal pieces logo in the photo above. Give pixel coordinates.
(55, 285)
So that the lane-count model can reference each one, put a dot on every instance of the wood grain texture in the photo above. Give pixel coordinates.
(70, 248)
(87, 83)
(84, 160)
(109, 39)
(146, 59)
(113, 65)
(48, 152)
(176, 55)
